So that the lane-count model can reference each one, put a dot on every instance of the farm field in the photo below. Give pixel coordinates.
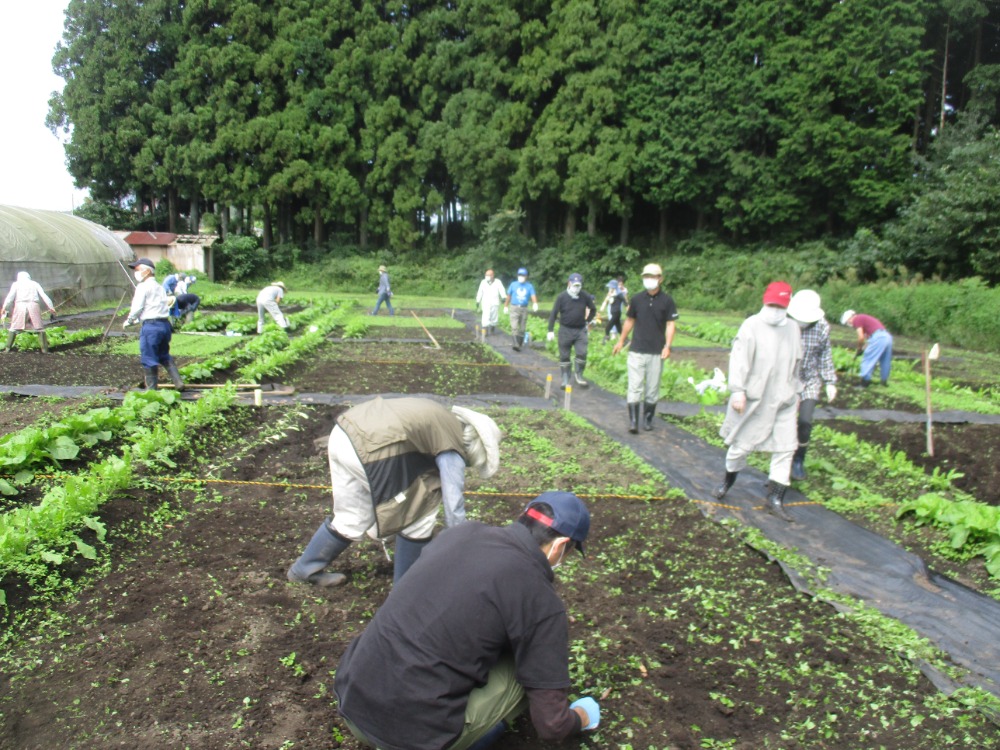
(181, 631)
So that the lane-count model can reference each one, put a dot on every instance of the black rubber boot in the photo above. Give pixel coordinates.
(175, 376)
(517, 342)
(798, 463)
(633, 417)
(152, 377)
(727, 483)
(564, 370)
(323, 549)
(578, 375)
(776, 500)
(43, 342)
(648, 410)
(406, 553)
(11, 335)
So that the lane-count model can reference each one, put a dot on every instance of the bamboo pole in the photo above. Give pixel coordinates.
(436, 344)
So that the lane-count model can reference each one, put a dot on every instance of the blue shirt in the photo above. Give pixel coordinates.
(520, 293)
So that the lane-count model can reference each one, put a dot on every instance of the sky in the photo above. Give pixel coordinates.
(32, 160)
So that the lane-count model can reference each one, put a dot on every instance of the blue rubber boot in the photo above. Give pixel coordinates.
(322, 550)
(488, 739)
(406, 553)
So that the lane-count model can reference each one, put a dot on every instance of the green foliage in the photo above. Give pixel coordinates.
(383, 125)
(241, 258)
(164, 267)
(951, 226)
(107, 214)
(972, 526)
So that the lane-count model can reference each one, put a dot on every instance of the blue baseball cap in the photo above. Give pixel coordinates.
(522, 271)
(613, 284)
(575, 278)
(570, 516)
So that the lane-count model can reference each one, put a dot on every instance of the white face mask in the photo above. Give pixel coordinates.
(562, 555)
(489, 278)
(522, 279)
(139, 275)
(773, 316)
(574, 290)
(650, 284)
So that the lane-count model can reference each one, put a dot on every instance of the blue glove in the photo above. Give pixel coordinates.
(589, 705)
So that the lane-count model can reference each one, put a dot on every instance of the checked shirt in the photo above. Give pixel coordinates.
(817, 359)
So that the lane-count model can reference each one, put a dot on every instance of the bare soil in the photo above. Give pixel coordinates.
(193, 638)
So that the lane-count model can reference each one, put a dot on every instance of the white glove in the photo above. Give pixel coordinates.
(506, 310)
(739, 402)
(534, 307)
(126, 324)
(550, 336)
(831, 391)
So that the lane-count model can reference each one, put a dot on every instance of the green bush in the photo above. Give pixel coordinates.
(241, 259)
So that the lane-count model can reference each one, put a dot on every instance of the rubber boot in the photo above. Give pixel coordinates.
(517, 342)
(175, 376)
(43, 342)
(633, 417)
(776, 500)
(578, 375)
(152, 377)
(11, 335)
(323, 549)
(727, 483)
(490, 738)
(798, 463)
(564, 369)
(648, 410)
(406, 553)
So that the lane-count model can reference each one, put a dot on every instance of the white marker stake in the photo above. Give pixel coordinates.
(548, 385)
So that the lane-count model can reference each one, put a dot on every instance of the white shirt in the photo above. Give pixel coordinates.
(149, 301)
(25, 290)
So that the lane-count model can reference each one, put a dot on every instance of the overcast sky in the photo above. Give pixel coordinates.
(32, 160)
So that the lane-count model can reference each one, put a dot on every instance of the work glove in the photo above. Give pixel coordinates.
(859, 351)
(589, 705)
(831, 391)
(550, 336)
(126, 324)
(534, 307)
(739, 402)
(506, 310)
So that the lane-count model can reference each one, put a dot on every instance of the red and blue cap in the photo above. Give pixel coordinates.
(570, 516)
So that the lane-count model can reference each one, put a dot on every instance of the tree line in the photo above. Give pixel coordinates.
(393, 122)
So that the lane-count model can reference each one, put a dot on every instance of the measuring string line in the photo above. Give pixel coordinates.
(327, 487)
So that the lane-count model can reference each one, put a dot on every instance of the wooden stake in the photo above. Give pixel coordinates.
(933, 354)
(112, 321)
(548, 385)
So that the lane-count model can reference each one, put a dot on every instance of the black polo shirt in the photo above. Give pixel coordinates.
(651, 313)
(476, 593)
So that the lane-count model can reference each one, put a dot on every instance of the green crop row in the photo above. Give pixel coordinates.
(274, 362)
(34, 538)
(32, 447)
(57, 336)
(973, 527)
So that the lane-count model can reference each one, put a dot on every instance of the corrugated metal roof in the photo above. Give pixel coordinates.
(150, 238)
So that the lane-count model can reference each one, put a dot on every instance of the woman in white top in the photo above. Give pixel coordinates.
(25, 294)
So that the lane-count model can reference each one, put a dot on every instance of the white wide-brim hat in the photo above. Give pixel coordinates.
(805, 306)
(482, 440)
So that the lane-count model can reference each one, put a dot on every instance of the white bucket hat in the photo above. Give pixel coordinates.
(482, 440)
(804, 306)
(846, 317)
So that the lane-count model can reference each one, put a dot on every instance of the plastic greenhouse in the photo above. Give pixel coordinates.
(68, 256)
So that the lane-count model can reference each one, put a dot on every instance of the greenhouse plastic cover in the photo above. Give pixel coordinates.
(67, 255)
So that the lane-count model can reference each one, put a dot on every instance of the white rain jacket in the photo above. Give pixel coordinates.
(764, 363)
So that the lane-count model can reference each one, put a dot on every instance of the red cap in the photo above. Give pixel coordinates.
(778, 293)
